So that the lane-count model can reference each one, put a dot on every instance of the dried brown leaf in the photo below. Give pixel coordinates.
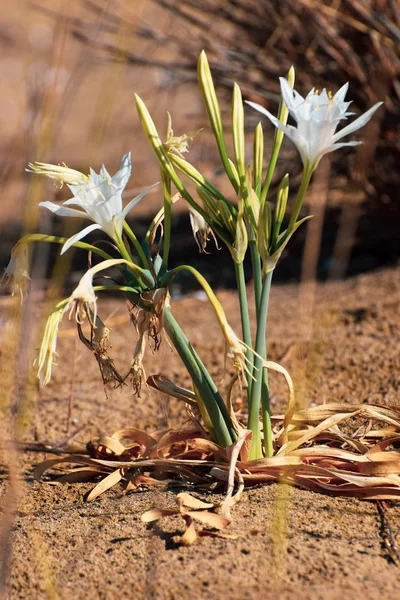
(209, 519)
(190, 536)
(105, 484)
(189, 501)
(158, 513)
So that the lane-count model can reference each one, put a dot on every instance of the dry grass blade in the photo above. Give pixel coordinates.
(269, 364)
(190, 536)
(210, 519)
(158, 513)
(105, 484)
(312, 433)
(179, 442)
(233, 454)
(191, 502)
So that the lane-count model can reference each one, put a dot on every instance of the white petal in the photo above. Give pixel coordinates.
(134, 202)
(258, 107)
(337, 146)
(61, 211)
(75, 201)
(270, 116)
(121, 177)
(78, 236)
(357, 124)
(291, 98)
(104, 174)
(341, 94)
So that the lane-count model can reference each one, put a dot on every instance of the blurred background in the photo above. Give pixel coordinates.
(69, 70)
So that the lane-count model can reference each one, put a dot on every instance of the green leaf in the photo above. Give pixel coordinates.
(214, 113)
(238, 131)
(280, 209)
(258, 157)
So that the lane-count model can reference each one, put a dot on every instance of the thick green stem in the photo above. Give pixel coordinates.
(220, 423)
(305, 180)
(257, 275)
(257, 386)
(217, 395)
(266, 415)
(244, 315)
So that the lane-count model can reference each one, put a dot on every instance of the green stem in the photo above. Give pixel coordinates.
(257, 275)
(305, 180)
(214, 389)
(179, 340)
(41, 237)
(257, 387)
(132, 237)
(116, 287)
(244, 315)
(166, 184)
(266, 415)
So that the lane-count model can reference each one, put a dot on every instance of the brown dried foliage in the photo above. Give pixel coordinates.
(337, 449)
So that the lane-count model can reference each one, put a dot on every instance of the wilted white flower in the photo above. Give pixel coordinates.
(16, 271)
(317, 117)
(177, 144)
(47, 351)
(82, 302)
(201, 230)
(83, 299)
(236, 351)
(98, 195)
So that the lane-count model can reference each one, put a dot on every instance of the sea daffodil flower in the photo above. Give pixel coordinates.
(317, 117)
(16, 271)
(83, 298)
(82, 302)
(98, 195)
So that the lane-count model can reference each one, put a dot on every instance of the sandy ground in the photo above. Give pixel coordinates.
(291, 543)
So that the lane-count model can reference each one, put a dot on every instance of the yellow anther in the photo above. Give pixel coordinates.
(330, 95)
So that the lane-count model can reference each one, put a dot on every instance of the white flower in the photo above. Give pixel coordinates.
(317, 117)
(16, 271)
(98, 195)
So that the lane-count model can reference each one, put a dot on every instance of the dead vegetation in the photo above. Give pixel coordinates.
(335, 449)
